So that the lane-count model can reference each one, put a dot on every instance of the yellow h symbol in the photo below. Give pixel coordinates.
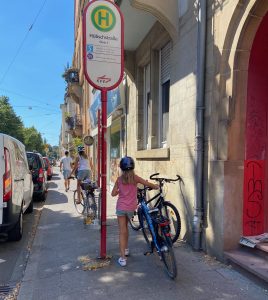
(102, 17)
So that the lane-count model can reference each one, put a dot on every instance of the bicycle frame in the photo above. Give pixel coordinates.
(159, 196)
(150, 221)
(159, 227)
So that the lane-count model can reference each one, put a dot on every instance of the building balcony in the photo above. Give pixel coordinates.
(70, 122)
(77, 120)
(74, 125)
(74, 90)
(77, 132)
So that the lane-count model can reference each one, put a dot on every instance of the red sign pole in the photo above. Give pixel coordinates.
(102, 18)
(103, 172)
(99, 146)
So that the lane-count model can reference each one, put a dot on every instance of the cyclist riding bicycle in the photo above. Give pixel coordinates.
(81, 165)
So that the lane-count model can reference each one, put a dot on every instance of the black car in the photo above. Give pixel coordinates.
(39, 174)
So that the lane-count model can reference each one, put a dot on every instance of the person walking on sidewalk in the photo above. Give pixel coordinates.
(126, 189)
(81, 165)
(66, 166)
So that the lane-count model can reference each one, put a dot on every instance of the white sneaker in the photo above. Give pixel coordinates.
(126, 252)
(122, 262)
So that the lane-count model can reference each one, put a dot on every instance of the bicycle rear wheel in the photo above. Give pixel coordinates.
(79, 207)
(169, 211)
(134, 221)
(168, 256)
(90, 207)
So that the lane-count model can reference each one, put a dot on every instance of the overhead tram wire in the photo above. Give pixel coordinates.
(33, 107)
(22, 43)
(27, 97)
(41, 115)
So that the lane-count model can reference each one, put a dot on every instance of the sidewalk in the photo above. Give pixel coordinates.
(55, 272)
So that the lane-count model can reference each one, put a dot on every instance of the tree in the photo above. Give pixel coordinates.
(55, 151)
(33, 140)
(10, 123)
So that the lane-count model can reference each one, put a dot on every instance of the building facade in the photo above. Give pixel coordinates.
(195, 105)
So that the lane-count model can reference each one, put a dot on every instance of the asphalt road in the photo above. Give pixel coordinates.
(14, 255)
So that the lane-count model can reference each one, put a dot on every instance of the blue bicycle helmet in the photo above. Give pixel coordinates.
(80, 148)
(127, 163)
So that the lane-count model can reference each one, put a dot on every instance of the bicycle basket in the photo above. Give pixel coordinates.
(88, 185)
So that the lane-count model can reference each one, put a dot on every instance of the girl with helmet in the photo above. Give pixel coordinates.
(126, 189)
(81, 165)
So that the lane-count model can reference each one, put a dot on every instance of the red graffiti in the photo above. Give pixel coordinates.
(253, 216)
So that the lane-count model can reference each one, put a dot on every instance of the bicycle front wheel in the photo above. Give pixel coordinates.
(170, 211)
(134, 221)
(79, 207)
(145, 229)
(167, 255)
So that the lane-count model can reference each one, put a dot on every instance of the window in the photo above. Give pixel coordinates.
(146, 104)
(165, 112)
(153, 87)
(164, 94)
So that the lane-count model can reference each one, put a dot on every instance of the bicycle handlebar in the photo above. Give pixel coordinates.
(145, 188)
(160, 179)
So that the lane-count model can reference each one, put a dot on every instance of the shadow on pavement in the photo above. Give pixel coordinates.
(55, 197)
(55, 177)
(52, 185)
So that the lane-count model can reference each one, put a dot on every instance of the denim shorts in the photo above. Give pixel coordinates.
(121, 213)
(66, 174)
(83, 174)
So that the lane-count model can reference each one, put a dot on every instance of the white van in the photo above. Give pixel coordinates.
(16, 186)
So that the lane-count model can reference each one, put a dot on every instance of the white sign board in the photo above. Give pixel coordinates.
(103, 40)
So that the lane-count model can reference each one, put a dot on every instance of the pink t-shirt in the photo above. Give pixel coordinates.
(127, 198)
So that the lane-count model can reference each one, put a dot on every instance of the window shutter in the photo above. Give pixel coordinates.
(165, 63)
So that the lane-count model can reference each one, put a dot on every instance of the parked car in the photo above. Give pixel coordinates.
(52, 161)
(16, 187)
(49, 168)
(39, 174)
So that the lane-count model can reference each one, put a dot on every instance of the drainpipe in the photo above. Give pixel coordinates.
(126, 113)
(199, 130)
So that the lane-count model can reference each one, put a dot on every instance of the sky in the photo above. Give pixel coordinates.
(36, 44)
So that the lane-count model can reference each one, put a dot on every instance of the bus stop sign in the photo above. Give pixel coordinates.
(103, 44)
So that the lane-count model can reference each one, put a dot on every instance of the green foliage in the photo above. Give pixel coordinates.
(33, 140)
(77, 141)
(10, 123)
(54, 152)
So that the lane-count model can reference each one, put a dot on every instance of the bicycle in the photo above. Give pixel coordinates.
(168, 209)
(87, 206)
(156, 231)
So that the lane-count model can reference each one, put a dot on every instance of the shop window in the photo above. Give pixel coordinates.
(115, 145)
(115, 154)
